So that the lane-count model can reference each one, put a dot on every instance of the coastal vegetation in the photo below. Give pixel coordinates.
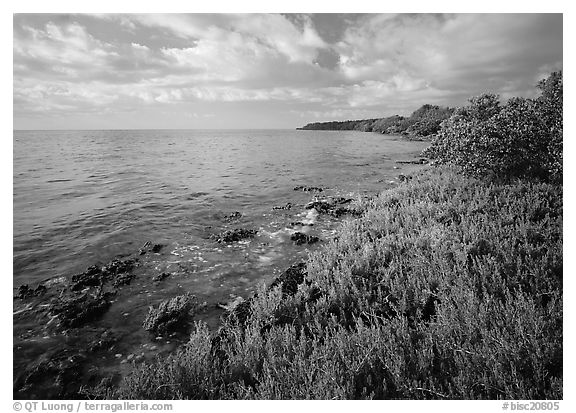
(422, 123)
(520, 138)
(448, 286)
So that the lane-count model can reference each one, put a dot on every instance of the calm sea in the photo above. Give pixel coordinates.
(86, 197)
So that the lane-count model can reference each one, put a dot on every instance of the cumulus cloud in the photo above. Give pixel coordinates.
(271, 32)
(328, 65)
(451, 52)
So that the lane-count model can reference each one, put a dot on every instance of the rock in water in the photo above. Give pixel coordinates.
(333, 206)
(170, 315)
(157, 247)
(285, 207)
(308, 188)
(24, 291)
(238, 234)
(161, 276)
(77, 311)
(149, 247)
(60, 373)
(94, 276)
(234, 216)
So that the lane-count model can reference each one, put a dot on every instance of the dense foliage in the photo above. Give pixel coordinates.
(423, 122)
(448, 287)
(521, 138)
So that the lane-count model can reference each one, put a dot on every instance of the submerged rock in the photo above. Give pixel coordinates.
(161, 276)
(104, 342)
(234, 216)
(94, 276)
(117, 266)
(123, 279)
(333, 206)
(285, 207)
(170, 315)
(61, 372)
(76, 311)
(24, 291)
(238, 234)
(149, 247)
(156, 248)
(300, 238)
(308, 188)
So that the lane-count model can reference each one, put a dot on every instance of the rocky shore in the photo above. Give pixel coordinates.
(71, 306)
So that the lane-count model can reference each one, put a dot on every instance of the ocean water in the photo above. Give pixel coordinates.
(86, 197)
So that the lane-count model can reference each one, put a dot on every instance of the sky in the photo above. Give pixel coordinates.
(204, 71)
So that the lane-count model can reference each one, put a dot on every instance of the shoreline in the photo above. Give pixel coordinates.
(73, 304)
(314, 305)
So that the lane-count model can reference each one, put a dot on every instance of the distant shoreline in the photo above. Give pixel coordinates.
(422, 124)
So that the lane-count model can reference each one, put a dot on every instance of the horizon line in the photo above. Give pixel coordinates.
(120, 129)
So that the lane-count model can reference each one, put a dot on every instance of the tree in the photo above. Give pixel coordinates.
(522, 138)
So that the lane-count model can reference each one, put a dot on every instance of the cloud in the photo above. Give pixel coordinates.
(339, 65)
(450, 52)
(269, 31)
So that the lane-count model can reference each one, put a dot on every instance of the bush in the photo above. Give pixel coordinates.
(522, 138)
(170, 315)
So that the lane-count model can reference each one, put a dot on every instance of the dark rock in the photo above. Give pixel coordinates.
(123, 279)
(161, 276)
(76, 311)
(404, 178)
(338, 212)
(238, 234)
(234, 216)
(171, 315)
(300, 238)
(149, 247)
(95, 276)
(308, 188)
(326, 204)
(105, 342)
(157, 247)
(116, 267)
(285, 207)
(61, 373)
(92, 277)
(291, 278)
(333, 206)
(24, 291)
